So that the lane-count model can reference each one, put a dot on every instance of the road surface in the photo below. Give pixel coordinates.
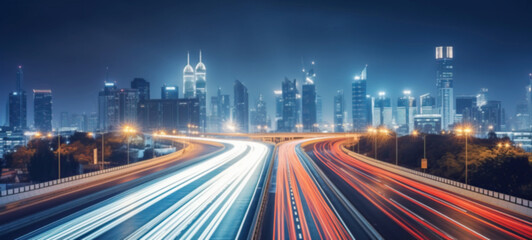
(305, 205)
(215, 197)
(401, 208)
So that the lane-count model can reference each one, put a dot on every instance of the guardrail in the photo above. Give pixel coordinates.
(50, 183)
(500, 196)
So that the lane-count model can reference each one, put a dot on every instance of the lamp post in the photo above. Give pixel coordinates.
(128, 130)
(58, 154)
(154, 136)
(396, 146)
(465, 131)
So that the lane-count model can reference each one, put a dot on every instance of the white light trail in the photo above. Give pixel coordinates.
(198, 214)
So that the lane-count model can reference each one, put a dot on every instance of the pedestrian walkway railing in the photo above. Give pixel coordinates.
(485, 192)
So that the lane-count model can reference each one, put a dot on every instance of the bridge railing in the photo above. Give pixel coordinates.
(50, 183)
(489, 193)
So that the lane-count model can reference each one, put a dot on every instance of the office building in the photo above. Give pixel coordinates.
(116, 107)
(168, 114)
(42, 110)
(241, 107)
(358, 99)
(382, 111)
(10, 140)
(92, 122)
(319, 109)
(444, 82)
(290, 106)
(427, 104)
(143, 88)
(78, 122)
(339, 108)
(467, 108)
(169, 92)
(309, 107)
(128, 100)
(308, 100)
(17, 104)
(278, 109)
(260, 121)
(406, 109)
(428, 123)
(482, 97)
(201, 92)
(492, 117)
(64, 121)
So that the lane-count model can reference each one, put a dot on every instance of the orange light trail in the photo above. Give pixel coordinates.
(363, 178)
(298, 200)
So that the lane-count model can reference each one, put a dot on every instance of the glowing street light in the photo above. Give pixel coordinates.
(128, 130)
(464, 131)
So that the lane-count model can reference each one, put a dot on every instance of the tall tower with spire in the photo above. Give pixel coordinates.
(201, 91)
(189, 88)
(309, 101)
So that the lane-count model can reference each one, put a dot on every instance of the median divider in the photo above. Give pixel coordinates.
(505, 201)
(257, 225)
(21, 193)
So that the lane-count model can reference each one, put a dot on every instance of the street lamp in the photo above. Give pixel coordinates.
(465, 131)
(374, 132)
(128, 130)
(396, 145)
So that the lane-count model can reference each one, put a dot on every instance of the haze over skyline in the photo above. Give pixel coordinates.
(66, 45)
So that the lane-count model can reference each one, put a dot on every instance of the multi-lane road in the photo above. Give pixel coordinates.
(216, 197)
(399, 207)
(315, 191)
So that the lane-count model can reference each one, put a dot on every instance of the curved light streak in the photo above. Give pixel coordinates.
(196, 215)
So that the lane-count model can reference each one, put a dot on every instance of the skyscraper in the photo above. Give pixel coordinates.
(108, 107)
(17, 104)
(427, 104)
(339, 106)
(444, 82)
(241, 107)
(169, 92)
(64, 121)
(308, 106)
(116, 106)
(290, 117)
(358, 99)
(278, 109)
(189, 86)
(201, 92)
(143, 87)
(260, 122)
(466, 107)
(319, 109)
(382, 113)
(128, 100)
(406, 109)
(482, 97)
(492, 115)
(42, 110)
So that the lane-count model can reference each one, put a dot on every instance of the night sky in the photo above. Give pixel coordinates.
(66, 45)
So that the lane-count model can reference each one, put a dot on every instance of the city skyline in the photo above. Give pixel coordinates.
(264, 68)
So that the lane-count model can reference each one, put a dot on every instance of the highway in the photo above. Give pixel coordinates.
(216, 197)
(305, 206)
(401, 208)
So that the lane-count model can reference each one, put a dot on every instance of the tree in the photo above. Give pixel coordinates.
(42, 165)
